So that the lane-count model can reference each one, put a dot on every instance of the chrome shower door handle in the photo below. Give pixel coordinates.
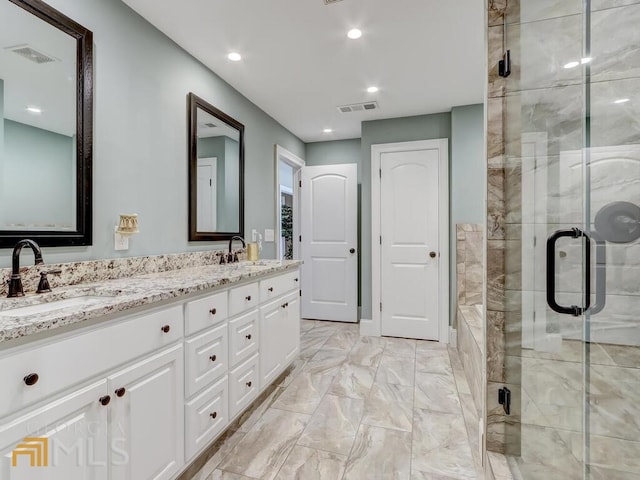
(574, 310)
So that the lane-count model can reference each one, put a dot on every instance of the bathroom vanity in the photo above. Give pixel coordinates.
(133, 378)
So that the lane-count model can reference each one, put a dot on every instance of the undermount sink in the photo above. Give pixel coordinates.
(46, 307)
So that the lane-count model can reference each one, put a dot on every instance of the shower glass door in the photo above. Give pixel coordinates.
(572, 194)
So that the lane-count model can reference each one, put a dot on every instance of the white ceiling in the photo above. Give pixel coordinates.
(426, 56)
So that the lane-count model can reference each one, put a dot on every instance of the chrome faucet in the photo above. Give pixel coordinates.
(231, 257)
(15, 283)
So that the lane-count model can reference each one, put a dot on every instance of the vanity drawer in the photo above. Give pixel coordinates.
(243, 298)
(274, 287)
(243, 385)
(206, 416)
(243, 336)
(206, 359)
(62, 363)
(205, 312)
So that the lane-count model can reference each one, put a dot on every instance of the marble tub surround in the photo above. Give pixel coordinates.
(119, 295)
(469, 268)
(350, 423)
(91, 271)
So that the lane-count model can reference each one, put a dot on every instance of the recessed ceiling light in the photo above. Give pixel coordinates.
(585, 60)
(234, 57)
(622, 100)
(327, 130)
(571, 65)
(372, 89)
(34, 110)
(354, 33)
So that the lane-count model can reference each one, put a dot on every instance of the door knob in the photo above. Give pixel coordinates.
(352, 250)
(433, 254)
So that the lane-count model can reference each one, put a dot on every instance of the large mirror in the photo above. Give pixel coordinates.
(216, 173)
(45, 126)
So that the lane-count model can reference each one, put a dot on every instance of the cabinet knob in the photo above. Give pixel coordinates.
(166, 329)
(104, 401)
(120, 392)
(352, 251)
(248, 298)
(31, 379)
(249, 384)
(270, 289)
(213, 311)
(213, 415)
(213, 358)
(295, 279)
(283, 305)
(248, 337)
(432, 254)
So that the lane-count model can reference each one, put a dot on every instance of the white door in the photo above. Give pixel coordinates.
(329, 241)
(207, 178)
(410, 181)
(147, 420)
(64, 440)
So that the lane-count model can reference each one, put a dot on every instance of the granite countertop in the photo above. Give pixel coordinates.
(119, 295)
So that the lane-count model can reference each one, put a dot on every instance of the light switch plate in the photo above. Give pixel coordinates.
(269, 235)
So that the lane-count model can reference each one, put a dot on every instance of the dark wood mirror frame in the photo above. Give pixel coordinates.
(195, 103)
(82, 235)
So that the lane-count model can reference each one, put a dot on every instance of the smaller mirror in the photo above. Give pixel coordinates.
(216, 173)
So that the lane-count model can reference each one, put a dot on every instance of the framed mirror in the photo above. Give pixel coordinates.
(216, 173)
(46, 119)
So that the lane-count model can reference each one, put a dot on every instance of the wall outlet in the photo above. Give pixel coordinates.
(121, 242)
(269, 235)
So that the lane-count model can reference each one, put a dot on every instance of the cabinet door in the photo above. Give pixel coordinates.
(291, 328)
(147, 417)
(64, 440)
(272, 317)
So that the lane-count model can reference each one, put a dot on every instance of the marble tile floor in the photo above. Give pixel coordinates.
(356, 408)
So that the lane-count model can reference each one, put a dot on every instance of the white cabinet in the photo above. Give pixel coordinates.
(280, 336)
(206, 358)
(67, 437)
(244, 383)
(147, 417)
(206, 415)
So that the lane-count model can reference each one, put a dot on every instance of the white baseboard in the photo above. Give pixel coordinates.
(367, 328)
(453, 337)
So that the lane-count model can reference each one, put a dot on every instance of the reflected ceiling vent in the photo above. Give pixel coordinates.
(330, 2)
(30, 53)
(358, 107)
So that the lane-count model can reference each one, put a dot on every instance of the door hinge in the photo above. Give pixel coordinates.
(210, 184)
(300, 183)
(300, 292)
(535, 241)
(380, 172)
(300, 238)
(504, 399)
(380, 239)
(380, 306)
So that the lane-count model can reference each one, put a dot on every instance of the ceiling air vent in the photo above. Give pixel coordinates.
(358, 107)
(30, 53)
(330, 2)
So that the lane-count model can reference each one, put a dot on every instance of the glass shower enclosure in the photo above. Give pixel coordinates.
(572, 194)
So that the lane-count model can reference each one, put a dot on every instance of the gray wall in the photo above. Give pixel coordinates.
(405, 129)
(140, 137)
(37, 178)
(2, 201)
(467, 177)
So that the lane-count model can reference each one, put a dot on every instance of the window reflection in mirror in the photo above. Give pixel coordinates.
(216, 170)
(38, 118)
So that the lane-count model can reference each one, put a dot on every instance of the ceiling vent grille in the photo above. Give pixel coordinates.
(330, 2)
(358, 107)
(31, 54)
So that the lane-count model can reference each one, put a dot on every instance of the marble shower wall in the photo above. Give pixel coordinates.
(469, 269)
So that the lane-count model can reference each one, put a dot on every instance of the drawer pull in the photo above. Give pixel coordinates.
(249, 384)
(248, 337)
(120, 392)
(248, 298)
(166, 329)
(31, 379)
(270, 289)
(213, 415)
(213, 311)
(104, 401)
(213, 358)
